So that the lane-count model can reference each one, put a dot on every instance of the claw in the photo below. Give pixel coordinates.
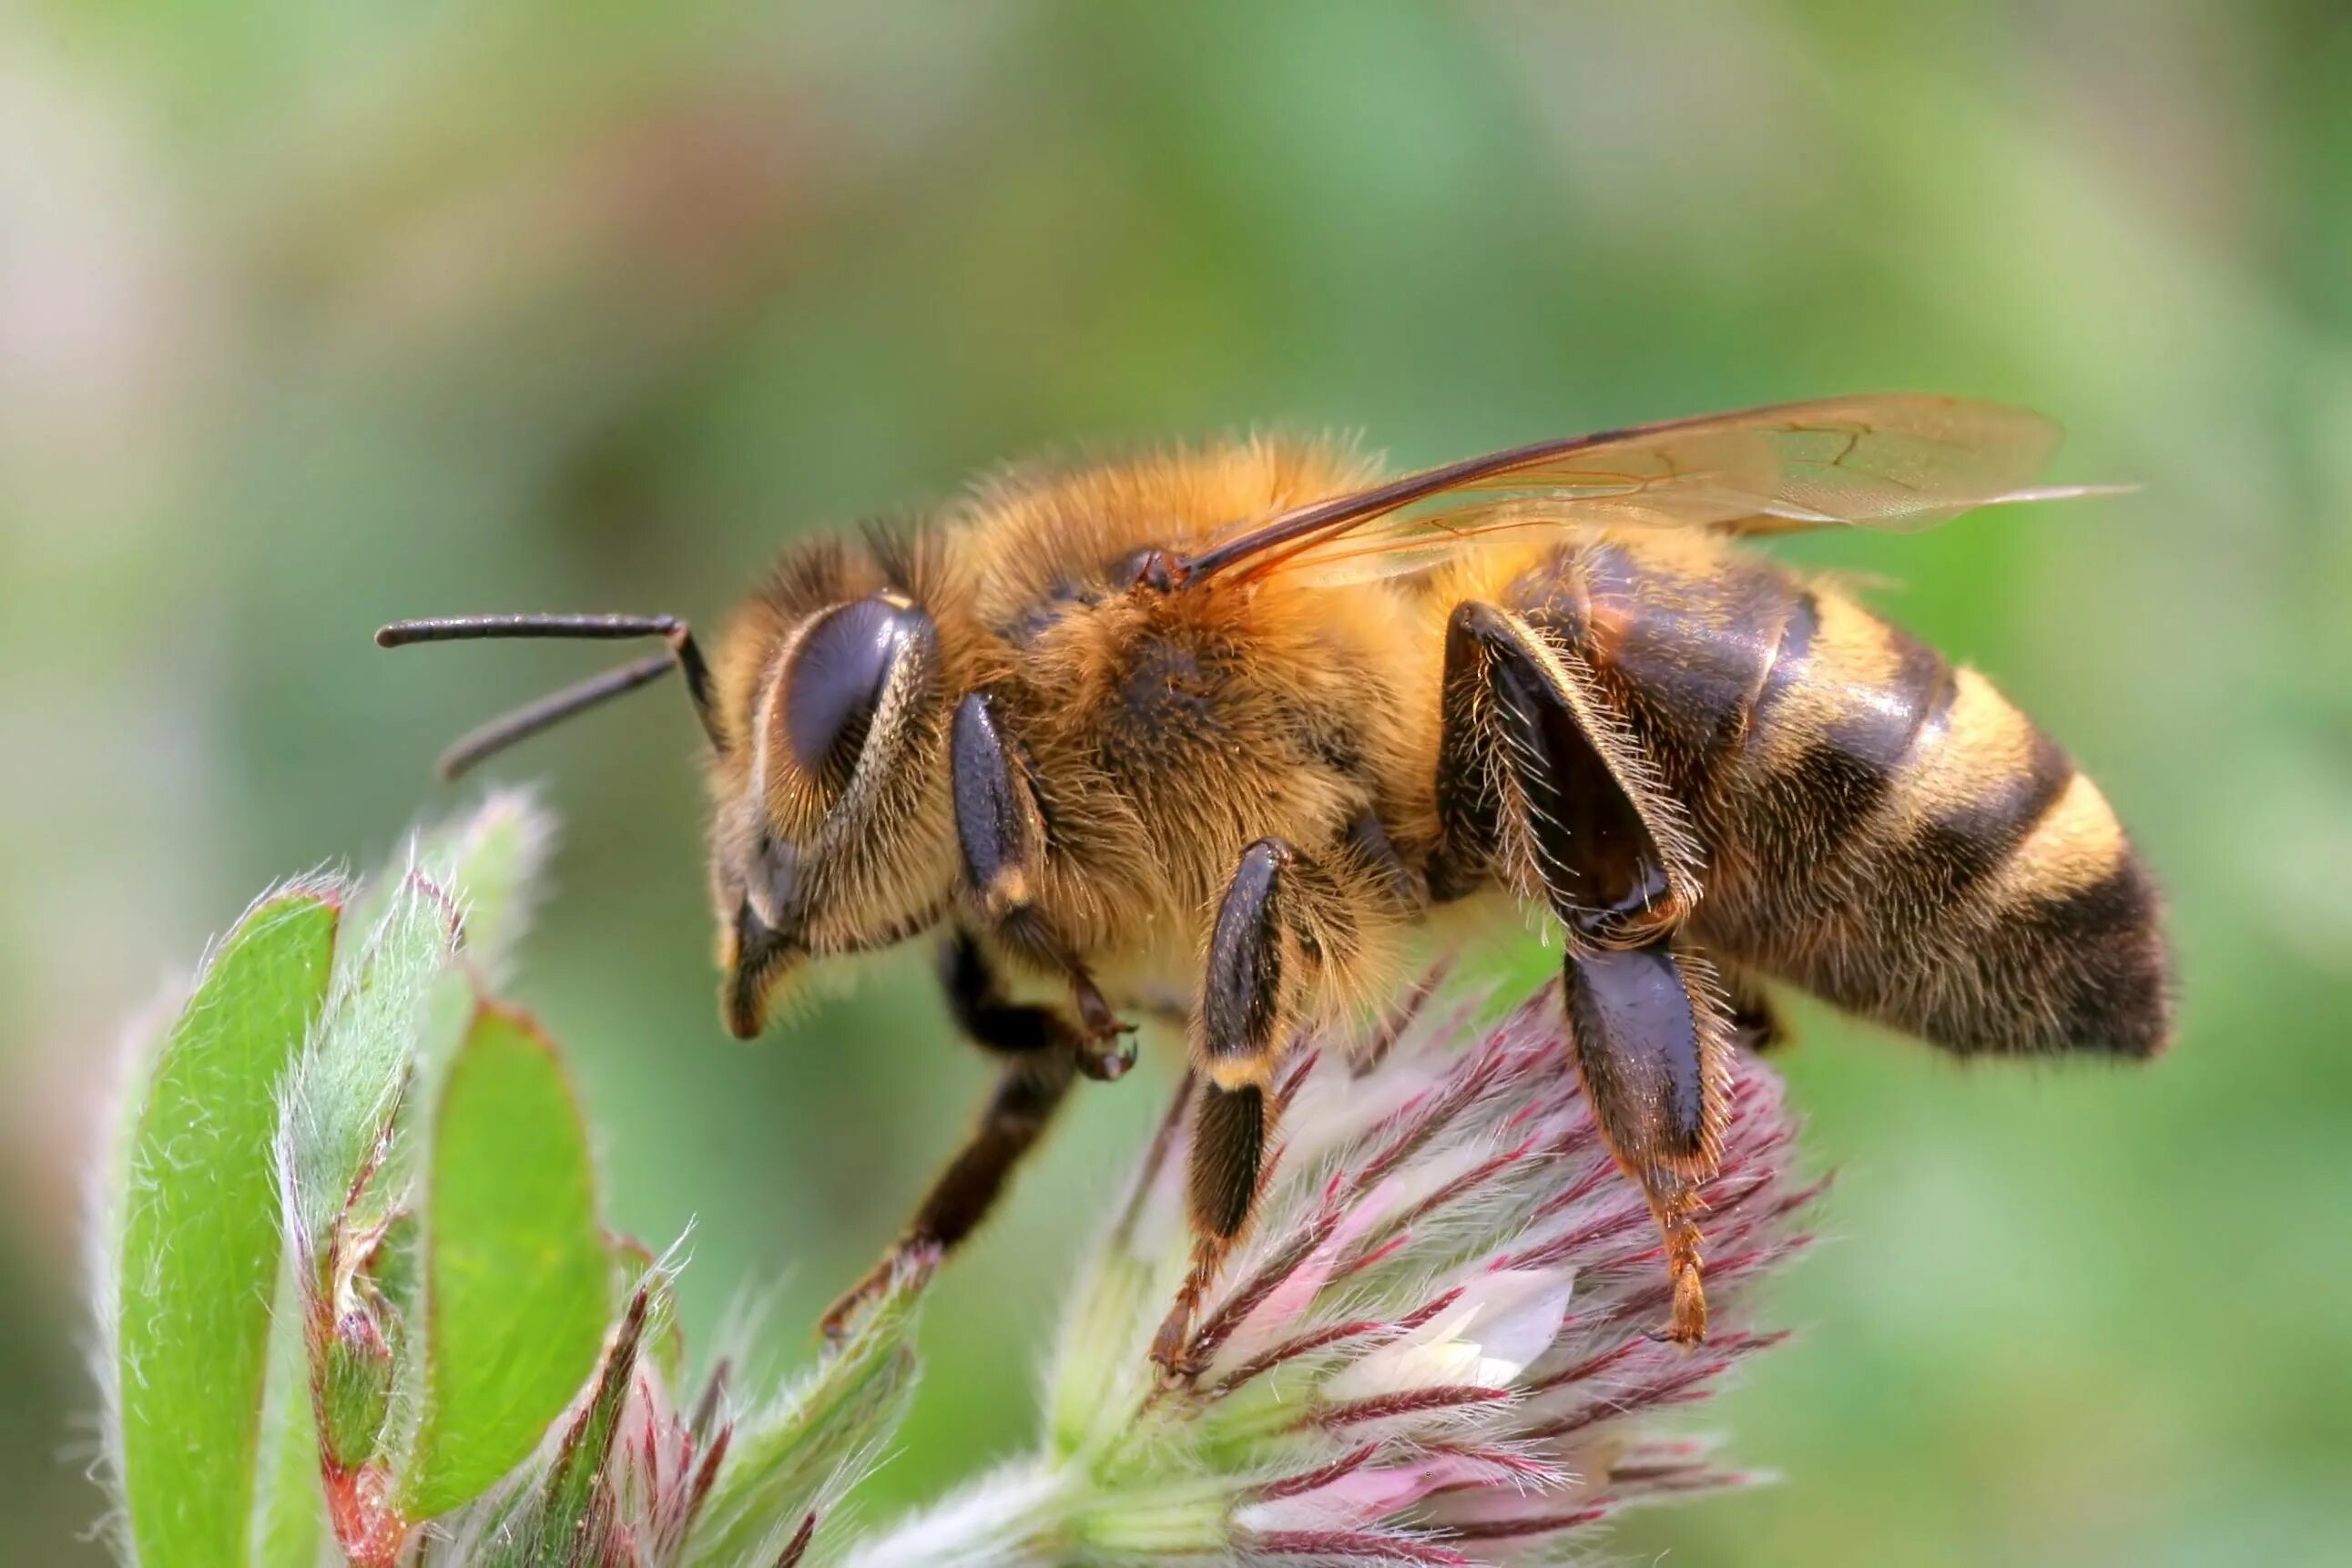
(1167, 1345)
(1109, 1047)
(834, 1326)
(1687, 1326)
(1107, 1060)
(1171, 1347)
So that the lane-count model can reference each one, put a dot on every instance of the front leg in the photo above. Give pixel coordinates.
(1251, 1000)
(1541, 785)
(1040, 1050)
(1001, 834)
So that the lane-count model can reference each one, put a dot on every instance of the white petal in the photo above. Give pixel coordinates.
(1524, 1309)
(1501, 1322)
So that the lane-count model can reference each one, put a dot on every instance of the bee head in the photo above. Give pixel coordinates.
(830, 833)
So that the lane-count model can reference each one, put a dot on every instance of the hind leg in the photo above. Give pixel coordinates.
(1653, 1050)
(1541, 786)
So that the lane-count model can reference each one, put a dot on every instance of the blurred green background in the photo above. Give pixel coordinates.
(311, 316)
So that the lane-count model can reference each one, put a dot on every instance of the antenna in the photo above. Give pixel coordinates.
(500, 734)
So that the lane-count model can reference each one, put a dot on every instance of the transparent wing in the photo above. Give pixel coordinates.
(1894, 460)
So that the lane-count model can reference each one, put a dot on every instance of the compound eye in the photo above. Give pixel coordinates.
(837, 678)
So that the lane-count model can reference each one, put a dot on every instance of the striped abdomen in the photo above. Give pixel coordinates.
(1881, 828)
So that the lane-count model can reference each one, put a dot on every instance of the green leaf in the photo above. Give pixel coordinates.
(199, 1249)
(492, 860)
(796, 1457)
(399, 1003)
(399, 1006)
(290, 1511)
(517, 1274)
(337, 1133)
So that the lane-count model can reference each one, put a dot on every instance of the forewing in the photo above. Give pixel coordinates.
(1888, 461)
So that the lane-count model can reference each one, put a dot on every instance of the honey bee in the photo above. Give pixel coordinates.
(1227, 724)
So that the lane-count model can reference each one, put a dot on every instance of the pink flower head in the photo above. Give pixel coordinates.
(1436, 1345)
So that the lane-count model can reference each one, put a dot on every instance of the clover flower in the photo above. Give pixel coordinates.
(1437, 1345)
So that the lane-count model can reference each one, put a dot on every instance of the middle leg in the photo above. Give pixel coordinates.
(1265, 943)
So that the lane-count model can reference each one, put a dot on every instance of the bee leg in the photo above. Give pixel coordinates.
(1247, 1018)
(1001, 834)
(1540, 784)
(1106, 1048)
(1040, 1051)
(1469, 792)
(1539, 778)
(1653, 1046)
